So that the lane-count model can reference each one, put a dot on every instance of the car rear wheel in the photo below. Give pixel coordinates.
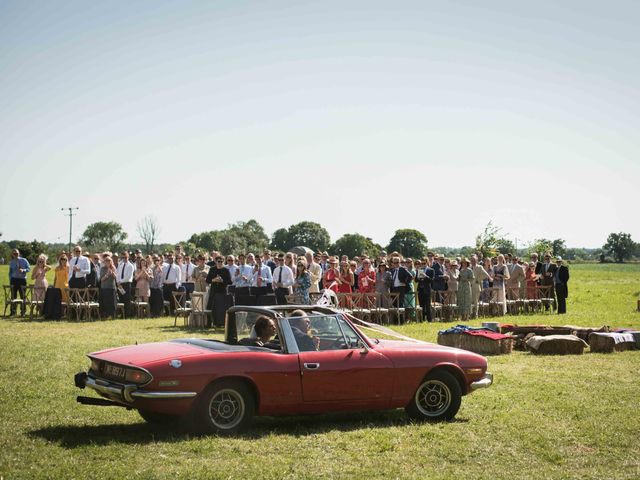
(226, 407)
(437, 398)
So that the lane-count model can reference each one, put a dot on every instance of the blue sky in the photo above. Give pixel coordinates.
(363, 116)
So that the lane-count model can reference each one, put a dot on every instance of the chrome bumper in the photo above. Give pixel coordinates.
(486, 382)
(127, 393)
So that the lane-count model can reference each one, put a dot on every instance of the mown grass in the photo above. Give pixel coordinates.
(545, 417)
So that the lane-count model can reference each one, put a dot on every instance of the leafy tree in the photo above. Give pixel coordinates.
(492, 241)
(280, 240)
(148, 229)
(206, 241)
(308, 234)
(621, 246)
(541, 246)
(558, 247)
(104, 236)
(243, 237)
(28, 250)
(354, 244)
(409, 242)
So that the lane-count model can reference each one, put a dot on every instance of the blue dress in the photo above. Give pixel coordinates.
(302, 286)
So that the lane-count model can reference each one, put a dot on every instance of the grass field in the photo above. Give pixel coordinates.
(544, 417)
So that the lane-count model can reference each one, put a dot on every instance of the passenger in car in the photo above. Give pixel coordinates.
(300, 326)
(263, 332)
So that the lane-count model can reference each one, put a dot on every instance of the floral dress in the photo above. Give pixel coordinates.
(302, 286)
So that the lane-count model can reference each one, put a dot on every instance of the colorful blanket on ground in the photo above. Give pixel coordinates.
(476, 331)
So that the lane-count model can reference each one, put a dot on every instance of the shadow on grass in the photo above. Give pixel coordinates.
(143, 433)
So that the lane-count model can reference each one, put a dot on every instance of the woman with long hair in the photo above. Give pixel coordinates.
(143, 276)
(108, 298)
(38, 275)
(346, 278)
(61, 277)
(303, 281)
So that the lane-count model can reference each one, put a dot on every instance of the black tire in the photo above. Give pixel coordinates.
(225, 408)
(437, 398)
(156, 418)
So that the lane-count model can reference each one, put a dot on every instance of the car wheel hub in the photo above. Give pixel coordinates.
(226, 409)
(433, 398)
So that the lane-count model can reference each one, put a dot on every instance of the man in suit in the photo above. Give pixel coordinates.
(425, 280)
(516, 278)
(548, 271)
(560, 280)
(479, 276)
(538, 266)
(400, 277)
(439, 276)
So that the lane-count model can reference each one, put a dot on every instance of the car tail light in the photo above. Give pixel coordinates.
(95, 365)
(137, 376)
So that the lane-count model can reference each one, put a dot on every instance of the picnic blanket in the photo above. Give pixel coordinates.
(476, 331)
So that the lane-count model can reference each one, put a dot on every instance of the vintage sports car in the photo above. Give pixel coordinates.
(315, 360)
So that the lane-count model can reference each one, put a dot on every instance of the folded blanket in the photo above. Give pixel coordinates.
(536, 341)
(618, 337)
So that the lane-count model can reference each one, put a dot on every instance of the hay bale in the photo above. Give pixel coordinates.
(449, 339)
(476, 344)
(585, 332)
(611, 342)
(556, 345)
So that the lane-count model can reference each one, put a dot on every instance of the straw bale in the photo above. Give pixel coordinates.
(477, 344)
(607, 344)
(556, 345)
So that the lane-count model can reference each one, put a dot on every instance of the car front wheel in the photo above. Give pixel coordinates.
(437, 398)
(226, 407)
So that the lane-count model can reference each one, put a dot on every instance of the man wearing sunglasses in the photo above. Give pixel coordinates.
(219, 278)
(18, 268)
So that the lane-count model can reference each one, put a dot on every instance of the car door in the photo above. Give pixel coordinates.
(343, 369)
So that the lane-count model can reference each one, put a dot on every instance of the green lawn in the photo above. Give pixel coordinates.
(544, 417)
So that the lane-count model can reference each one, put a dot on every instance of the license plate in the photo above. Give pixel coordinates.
(114, 371)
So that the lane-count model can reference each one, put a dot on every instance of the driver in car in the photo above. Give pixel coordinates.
(300, 325)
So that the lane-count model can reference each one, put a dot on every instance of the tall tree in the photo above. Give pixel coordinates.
(280, 240)
(541, 246)
(409, 242)
(354, 244)
(492, 241)
(148, 229)
(243, 237)
(104, 236)
(621, 246)
(206, 241)
(308, 234)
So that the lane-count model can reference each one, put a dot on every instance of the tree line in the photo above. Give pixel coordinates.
(250, 236)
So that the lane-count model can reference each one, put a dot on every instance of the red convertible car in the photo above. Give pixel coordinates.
(283, 360)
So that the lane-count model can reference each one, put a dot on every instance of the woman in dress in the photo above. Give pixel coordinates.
(346, 278)
(38, 275)
(331, 278)
(200, 274)
(108, 299)
(465, 278)
(143, 276)
(410, 294)
(61, 278)
(303, 282)
(156, 301)
(451, 269)
(500, 274)
(532, 281)
(367, 278)
(383, 284)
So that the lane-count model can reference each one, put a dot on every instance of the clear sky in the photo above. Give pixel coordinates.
(363, 116)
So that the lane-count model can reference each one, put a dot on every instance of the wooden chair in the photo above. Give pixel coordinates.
(449, 306)
(15, 302)
(360, 308)
(32, 301)
(199, 313)
(77, 305)
(93, 303)
(182, 310)
(381, 311)
(394, 308)
(515, 300)
(141, 307)
(436, 305)
(548, 298)
(294, 299)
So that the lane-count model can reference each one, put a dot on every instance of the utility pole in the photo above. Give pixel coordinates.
(70, 215)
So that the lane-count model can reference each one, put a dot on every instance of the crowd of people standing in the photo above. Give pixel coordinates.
(228, 278)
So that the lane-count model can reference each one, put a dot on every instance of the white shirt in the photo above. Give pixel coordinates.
(187, 272)
(82, 263)
(265, 273)
(171, 273)
(242, 271)
(287, 276)
(127, 269)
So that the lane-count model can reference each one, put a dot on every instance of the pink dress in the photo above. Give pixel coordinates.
(40, 284)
